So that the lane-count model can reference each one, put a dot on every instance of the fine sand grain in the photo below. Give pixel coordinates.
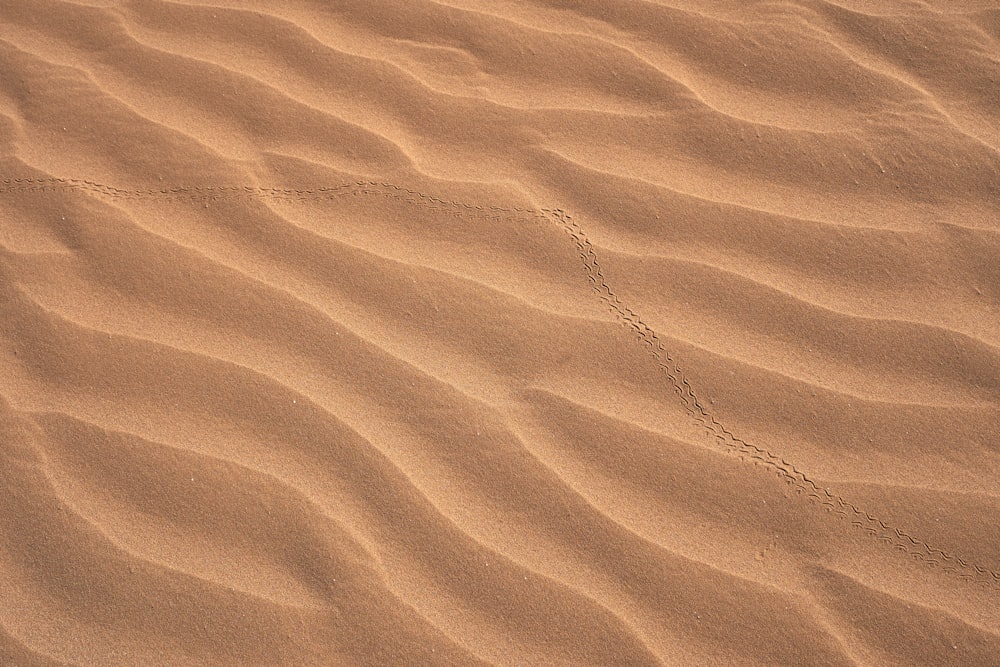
(560, 332)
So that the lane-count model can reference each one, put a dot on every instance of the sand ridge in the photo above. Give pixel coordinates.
(300, 363)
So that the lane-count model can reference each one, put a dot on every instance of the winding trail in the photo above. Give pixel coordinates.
(722, 437)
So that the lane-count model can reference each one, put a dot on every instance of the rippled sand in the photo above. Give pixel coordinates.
(518, 333)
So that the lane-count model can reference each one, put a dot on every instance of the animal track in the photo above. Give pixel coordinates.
(726, 439)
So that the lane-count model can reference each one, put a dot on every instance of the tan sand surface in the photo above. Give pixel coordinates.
(548, 332)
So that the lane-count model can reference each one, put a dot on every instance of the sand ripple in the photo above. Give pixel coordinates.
(528, 333)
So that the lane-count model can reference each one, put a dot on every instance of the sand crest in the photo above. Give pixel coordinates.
(546, 333)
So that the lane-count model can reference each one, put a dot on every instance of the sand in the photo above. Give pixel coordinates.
(563, 332)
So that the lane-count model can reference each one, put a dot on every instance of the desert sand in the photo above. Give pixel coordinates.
(558, 332)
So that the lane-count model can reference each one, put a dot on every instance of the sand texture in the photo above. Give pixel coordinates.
(548, 332)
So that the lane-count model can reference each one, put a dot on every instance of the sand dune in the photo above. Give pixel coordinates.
(602, 333)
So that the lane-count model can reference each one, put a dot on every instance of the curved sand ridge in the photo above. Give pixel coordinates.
(360, 424)
(919, 550)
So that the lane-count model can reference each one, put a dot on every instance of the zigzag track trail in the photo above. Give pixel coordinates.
(722, 436)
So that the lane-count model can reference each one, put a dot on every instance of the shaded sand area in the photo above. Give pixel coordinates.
(558, 332)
